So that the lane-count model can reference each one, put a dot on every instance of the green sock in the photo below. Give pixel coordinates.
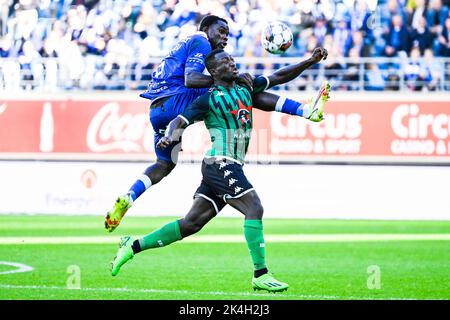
(253, 231)
(161, 237)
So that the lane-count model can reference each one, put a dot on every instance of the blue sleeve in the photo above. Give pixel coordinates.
(197, 110)
(198, 48)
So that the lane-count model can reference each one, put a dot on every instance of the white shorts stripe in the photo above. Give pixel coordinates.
(224, 157)
(227, 196)
(209, 199)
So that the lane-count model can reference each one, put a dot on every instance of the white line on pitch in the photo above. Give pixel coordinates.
(211, 293)
(237, 238)
(19, 267)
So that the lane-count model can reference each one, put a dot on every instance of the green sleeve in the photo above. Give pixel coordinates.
(197, 110)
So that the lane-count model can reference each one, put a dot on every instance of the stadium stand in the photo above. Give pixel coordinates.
(54, 45)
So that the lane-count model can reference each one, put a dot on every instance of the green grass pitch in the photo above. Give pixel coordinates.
(212, 270)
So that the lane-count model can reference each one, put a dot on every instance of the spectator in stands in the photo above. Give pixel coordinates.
(334, 66)
(359, 17)
(342, 37)
(436, 15)
(5, 46)
(74, 32)
(374, 78)
(308, 43)
(359, 44)
(416, 72)
(352, 70)
(141, 72)
(307, 19)
(422, 36)
(388, 11)
(435, 69)
(320, 30)
(49, 49)
(30, 68)
(444, 40)
(5, 6)
(416, 12)
(397, 38)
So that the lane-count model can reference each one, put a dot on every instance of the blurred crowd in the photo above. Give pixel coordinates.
(103, 44)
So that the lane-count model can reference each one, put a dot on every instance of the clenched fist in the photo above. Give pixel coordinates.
(319, 54)
(247, 79)
(164, 142)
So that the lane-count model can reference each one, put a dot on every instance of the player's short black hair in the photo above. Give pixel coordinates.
(209, 59)
(210, 20)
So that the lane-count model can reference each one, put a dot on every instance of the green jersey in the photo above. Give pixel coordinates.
(227, 113)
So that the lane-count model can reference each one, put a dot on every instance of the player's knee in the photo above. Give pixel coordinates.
(159, 170)
(259, 210)
(256, 211)
(165, 166)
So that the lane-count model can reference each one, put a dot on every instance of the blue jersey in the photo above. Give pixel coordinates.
(188, 55)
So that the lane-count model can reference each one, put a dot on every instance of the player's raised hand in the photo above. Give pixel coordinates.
(164, 142)
(247, 79)
(319, 54)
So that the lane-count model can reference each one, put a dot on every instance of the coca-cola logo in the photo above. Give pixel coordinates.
(110, 131)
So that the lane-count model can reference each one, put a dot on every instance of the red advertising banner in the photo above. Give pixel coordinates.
(383, 131)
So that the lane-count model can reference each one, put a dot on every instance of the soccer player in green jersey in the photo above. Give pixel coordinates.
(226, 110)
(178, 81)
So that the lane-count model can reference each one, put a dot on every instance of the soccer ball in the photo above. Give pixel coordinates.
(276, 37)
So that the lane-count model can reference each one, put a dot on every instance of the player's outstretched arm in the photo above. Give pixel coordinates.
(291, 72)
(196, 111)
(196, 79)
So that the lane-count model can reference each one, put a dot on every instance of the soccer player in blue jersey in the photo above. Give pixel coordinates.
(177, 82)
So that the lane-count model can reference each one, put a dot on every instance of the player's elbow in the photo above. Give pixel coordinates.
(189, 82)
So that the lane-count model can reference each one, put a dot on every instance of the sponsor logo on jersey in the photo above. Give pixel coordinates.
(242, 114)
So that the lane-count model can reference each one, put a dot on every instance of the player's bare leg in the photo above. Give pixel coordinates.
(151, 176)
(201, 212)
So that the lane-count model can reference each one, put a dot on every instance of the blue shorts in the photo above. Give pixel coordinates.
(163, 114)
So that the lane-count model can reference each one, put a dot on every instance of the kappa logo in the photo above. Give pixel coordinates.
(219, 94)
(237, 189)
(231, 182)
(222, 165)
(242, 114)
(227, 173)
